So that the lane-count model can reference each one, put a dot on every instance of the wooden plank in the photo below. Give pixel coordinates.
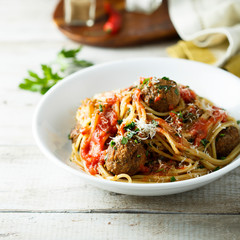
(118, 226)
(30, 182)
(136, 28)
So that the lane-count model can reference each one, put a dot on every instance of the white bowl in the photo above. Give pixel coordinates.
(54, 117)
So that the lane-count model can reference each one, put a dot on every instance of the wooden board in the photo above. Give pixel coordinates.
(90, 226)
(31, 183)
(137, 28)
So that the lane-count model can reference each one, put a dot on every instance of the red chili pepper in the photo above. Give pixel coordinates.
(114, 21)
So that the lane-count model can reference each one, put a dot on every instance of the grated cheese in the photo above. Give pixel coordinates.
(155, 80)
(117, 139)
(146, 129)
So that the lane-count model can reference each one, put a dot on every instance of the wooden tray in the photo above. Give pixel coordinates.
(137, 28)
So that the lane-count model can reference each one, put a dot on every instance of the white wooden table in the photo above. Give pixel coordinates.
(38, 200)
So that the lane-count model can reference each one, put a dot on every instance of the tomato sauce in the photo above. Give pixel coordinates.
(200, 128)
(94, 148)
(187, 94)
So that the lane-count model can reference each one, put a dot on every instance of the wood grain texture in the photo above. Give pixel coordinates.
(117, 226)
(38, 185)
(136, 28)
(38, 200)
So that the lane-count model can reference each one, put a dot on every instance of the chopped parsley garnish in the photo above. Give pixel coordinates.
(130, 126)
(180, 115)
(238, 121)
(155, 123)
(106, 157)
(176, 91)
(131, 134)
(191, 140)
(112, 143)
(172, 179)
(165, 87)
(136, 141)
(160, 170)
(217, 168)
(204, 142)
(222, 158)
(138, 156)
(222, 135)
(124, 140)
(69, 136)
(115, 148)
(165, 78)
(89, 124)
(151, 100)
(100, 107)
(119, 121)
(146, 80)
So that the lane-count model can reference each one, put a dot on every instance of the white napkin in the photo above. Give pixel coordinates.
(209, 23)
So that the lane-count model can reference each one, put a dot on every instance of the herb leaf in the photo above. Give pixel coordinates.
(69, 53)
(112, 143)
(124, 140)
(217, 168)
(130, 126)
(165, 87)
(204, 142)
(172, 179)
(131, 134)
(100, 107)
(65, 64)
(119, 121)
(155, 122)
(176, 91)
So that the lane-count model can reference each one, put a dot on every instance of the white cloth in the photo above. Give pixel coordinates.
(209, 23)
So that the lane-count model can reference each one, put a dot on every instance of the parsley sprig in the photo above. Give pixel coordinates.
(65, 64)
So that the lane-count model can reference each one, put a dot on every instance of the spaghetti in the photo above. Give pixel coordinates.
(155, 131)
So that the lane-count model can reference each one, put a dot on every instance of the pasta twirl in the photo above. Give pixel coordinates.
(154, 131)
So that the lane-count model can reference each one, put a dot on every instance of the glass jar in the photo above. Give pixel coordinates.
(79, 12)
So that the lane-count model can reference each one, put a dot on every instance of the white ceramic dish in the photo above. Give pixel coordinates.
(54, 116)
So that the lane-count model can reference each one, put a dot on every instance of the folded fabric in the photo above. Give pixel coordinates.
(187, 50)
(212, 25)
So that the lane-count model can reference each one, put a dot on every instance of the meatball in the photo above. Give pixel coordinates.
(162, 95)
(226, 141)
(125, 158)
